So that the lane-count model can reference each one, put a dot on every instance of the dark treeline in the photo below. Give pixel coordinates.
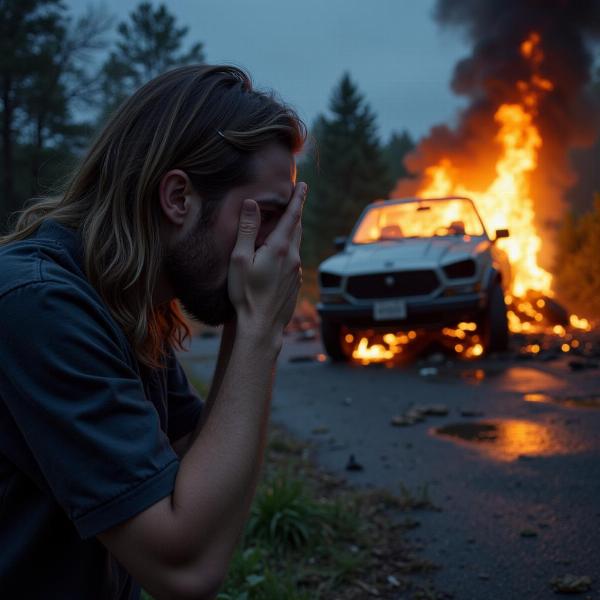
(60, 78)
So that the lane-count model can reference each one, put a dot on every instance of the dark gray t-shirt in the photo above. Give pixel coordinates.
(85, 433)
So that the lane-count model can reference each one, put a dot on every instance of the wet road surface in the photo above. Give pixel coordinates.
(514, 465)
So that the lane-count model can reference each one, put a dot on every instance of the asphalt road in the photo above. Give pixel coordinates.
(516, 476)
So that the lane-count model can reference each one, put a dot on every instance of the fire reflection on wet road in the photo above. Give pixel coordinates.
(511, 439)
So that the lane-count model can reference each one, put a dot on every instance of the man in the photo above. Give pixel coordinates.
(112, 472)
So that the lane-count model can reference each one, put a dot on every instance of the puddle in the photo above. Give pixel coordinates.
(507, 440)
(590, 401)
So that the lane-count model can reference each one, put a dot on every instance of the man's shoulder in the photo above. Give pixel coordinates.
(36, 260)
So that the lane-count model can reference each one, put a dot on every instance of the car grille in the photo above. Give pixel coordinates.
(393, 285)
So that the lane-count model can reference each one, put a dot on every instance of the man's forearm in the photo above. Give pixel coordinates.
(220, 470)
(225, 349)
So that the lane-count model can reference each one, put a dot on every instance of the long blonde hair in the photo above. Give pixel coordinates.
(207, 121)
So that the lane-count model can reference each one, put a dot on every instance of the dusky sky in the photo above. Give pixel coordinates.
(401, 59)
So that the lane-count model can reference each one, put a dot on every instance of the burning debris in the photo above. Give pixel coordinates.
(533, 337)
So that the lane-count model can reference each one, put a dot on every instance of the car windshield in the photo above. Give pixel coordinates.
(418, 219)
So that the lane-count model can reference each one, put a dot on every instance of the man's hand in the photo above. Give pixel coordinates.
(264, 283)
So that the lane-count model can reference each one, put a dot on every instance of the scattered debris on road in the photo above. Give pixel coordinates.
(528, 533)
(571, 584)
(352, 465)
(417, 414)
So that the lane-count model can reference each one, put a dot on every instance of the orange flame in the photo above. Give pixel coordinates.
(507, 202)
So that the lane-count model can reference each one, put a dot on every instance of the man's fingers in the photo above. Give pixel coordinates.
(285, 228)
(297, 236)
(247, 231)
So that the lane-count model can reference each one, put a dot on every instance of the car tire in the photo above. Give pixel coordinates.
(494, 322)
(332, 342)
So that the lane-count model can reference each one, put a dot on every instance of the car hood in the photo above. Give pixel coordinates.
(404, 254)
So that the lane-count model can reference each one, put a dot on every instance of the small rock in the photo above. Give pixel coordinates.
(428, 371)
(320, 429)
(415, 414)
(401, 421)
(571, 584)
(580, 365)
(352, 465)
(393, 581)
(347, 401)
(434, 410)
(467, 412)
(483, 576)
(307, 335)
(528, 533)
(526, 457)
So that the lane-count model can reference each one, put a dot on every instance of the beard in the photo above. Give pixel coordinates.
(192, 267)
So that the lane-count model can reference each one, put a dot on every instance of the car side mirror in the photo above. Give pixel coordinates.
(340, 243)
(502, 233)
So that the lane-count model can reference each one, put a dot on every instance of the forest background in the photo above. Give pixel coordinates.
(61, 78)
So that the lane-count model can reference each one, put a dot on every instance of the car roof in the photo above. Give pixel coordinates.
(416, 199)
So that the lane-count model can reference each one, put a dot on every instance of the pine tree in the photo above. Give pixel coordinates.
(394, 152)
(149, 44)
(23, 26)
(345, 170)
(44, 62)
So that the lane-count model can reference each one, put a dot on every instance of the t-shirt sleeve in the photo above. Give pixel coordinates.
(184, 403)
(68, 383)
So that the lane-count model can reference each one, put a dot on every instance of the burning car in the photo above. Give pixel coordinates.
(424, 263)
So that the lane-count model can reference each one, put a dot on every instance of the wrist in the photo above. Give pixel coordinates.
(265, 340)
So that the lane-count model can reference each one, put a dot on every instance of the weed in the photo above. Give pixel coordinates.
(284, 515)
(251, 578)
(414, 501)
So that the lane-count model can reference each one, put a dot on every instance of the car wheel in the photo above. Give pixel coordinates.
(494, 323)
(331, 338)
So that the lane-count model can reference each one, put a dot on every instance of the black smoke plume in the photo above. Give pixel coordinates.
(569, 115)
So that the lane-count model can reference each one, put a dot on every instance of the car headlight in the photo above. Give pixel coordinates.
(461, 269)
(329, 280)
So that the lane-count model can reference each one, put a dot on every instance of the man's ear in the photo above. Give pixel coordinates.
(175, 197)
